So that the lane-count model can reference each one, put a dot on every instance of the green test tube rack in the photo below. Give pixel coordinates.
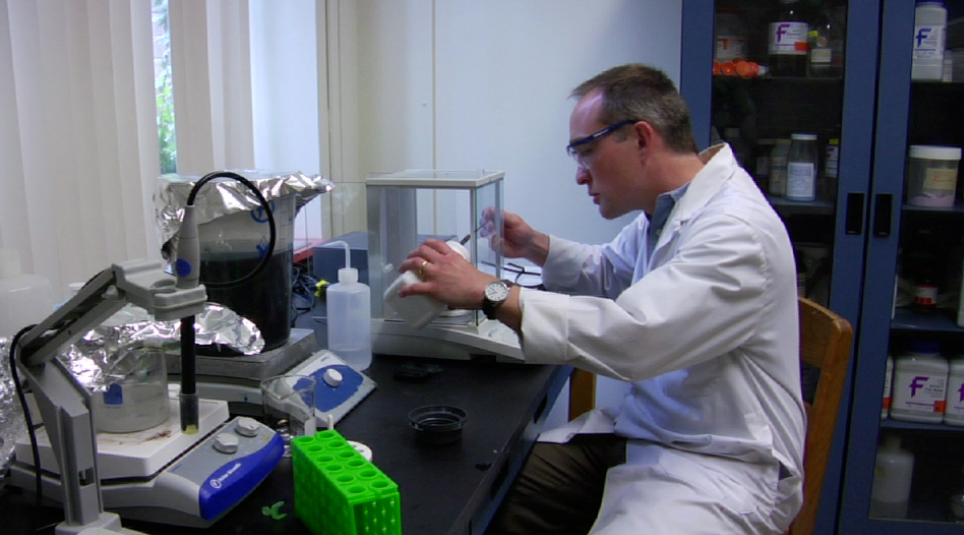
(338, 491)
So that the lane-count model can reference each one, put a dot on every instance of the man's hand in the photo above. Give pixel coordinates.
(446, 276)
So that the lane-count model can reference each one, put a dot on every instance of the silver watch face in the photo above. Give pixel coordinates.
(496, 291)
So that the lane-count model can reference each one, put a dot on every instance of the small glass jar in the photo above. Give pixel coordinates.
(802, 168)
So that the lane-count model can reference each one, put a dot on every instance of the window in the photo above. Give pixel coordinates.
(164, 88)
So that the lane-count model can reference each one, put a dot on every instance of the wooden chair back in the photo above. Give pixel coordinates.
(582, 393)
(825, 344)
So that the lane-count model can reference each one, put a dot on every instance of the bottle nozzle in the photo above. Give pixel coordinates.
(347, 273)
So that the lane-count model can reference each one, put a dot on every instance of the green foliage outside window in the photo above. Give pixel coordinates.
(164, 88)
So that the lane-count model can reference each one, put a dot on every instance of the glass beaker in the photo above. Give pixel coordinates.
(137, 399)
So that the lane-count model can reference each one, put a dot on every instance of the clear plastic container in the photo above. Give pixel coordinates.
(893, 472)
(932, 175)
(802, 168)
(920, 384)
(930, 23)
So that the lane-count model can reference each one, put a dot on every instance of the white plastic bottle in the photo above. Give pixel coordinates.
(350, 316)
(893, 470)
(24, 299)
(417, 310)
(920, 382)
(930, 23)
(954, 408)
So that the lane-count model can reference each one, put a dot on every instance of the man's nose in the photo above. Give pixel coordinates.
(582, 175)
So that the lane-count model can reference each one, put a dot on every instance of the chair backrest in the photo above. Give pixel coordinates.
(825, 344)
(582, 393)
(825, 340)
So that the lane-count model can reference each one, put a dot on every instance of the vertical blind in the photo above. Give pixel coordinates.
(211, 56)
(78, 135)
(79, 152)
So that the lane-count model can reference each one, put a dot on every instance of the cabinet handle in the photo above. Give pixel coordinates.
(855, 213)
(882, 208)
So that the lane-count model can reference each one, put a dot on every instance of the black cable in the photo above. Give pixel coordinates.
(34, 448)
(271, 224)
(519, 272)
(303, 287)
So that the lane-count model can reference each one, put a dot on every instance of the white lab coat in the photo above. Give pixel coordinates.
(706, 330)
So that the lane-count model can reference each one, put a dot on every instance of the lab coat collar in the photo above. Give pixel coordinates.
(720, 165)
(718, 169)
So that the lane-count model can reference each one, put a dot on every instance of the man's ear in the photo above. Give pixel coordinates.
(644, 133)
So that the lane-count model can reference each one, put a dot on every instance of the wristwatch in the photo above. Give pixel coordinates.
(495, 294)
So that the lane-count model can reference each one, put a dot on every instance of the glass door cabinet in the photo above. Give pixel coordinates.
(915, 248)
(869, 245)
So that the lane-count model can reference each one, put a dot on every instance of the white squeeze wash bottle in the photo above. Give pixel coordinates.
(350, 316)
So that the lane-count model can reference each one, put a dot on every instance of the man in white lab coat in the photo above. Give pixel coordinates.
(694, 303)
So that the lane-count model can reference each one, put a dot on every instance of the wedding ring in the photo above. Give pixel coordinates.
(421, 270)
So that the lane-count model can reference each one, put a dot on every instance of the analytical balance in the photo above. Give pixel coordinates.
(405, 207)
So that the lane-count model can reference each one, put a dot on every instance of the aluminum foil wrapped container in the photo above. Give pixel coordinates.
(222, 197)
(233, 237)
(122, 362)
(110, 352)
(128, 350)
(122, 349)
